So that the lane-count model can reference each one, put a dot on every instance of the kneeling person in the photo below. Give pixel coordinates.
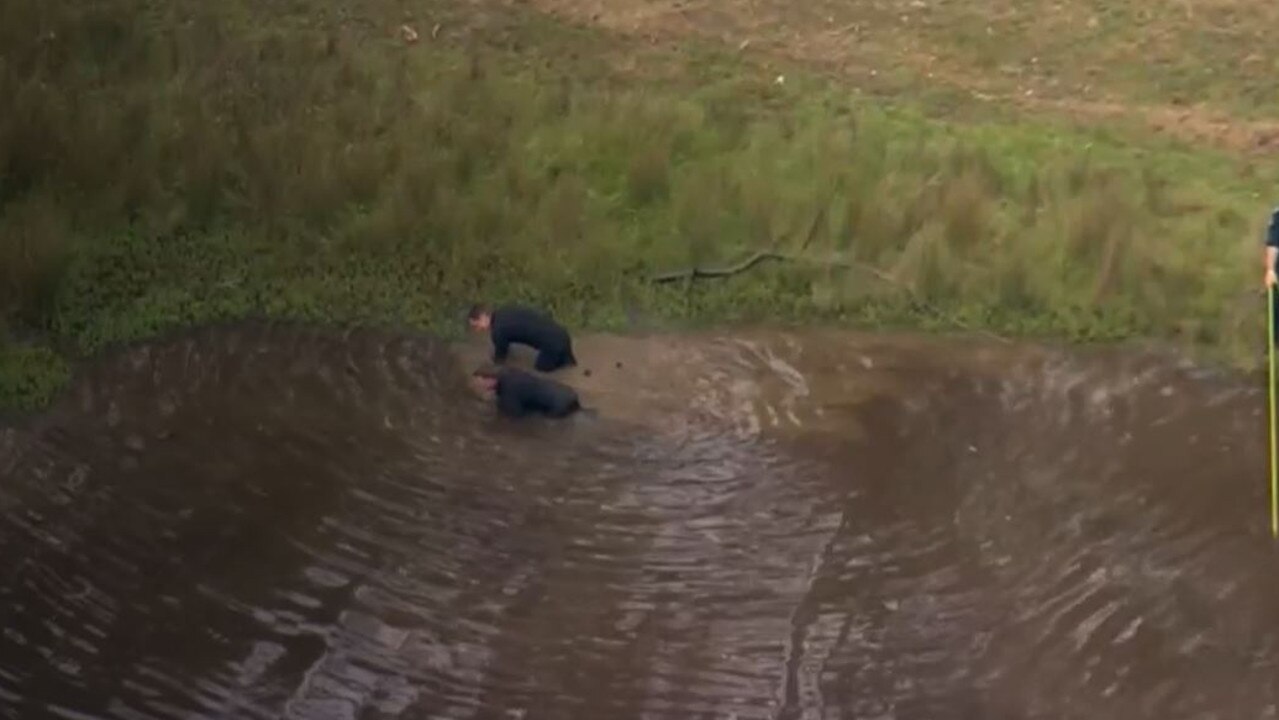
(519, 393)
(518, 324)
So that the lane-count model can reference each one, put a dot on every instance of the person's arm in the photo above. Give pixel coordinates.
(509, 404)
(1272, 248)
(501, 343)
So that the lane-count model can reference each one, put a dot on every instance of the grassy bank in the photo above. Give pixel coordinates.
(188, 162)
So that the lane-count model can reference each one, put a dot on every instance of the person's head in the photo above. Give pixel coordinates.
(484, 380)
(480, 317)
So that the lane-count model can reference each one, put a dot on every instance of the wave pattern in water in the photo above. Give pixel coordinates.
(273, 522)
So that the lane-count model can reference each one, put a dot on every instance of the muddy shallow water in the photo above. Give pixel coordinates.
(266, 522)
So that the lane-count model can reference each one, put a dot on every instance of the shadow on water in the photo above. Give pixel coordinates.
(265, 522)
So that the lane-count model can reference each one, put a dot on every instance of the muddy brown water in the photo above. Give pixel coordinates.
(278, 522)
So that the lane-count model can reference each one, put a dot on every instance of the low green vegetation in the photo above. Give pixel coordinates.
(165, 164)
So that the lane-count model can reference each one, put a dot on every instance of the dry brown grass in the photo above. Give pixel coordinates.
(1197, 70)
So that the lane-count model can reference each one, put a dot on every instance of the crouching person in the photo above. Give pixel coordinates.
(526, 326)
(519, 393)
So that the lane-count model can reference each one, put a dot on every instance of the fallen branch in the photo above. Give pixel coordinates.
(759, 256)
(695, 272)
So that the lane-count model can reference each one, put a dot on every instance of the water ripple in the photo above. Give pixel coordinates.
(263, 522)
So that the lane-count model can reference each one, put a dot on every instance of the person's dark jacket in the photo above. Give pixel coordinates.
(520, 393)
(1272, 232)
(519, 324)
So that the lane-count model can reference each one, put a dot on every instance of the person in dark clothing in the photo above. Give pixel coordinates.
(1272, 248)
(1271, 254)
(519, 393)
(518, 324)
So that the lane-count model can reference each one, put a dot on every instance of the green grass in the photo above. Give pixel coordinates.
(175, 164)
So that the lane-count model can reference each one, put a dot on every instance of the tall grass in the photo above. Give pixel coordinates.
(174, 163)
